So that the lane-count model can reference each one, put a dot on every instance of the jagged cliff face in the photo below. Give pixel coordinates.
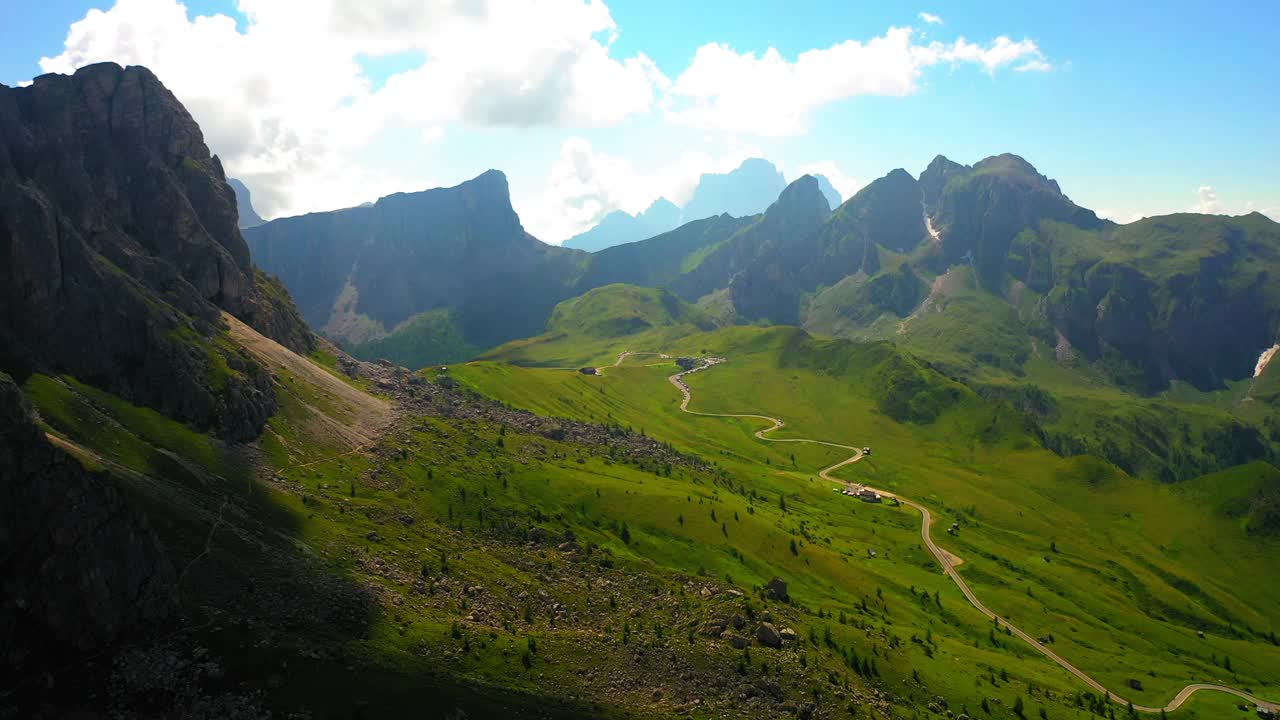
(1187, 297)
(1180, 297)
(79, 568)
(759, 260)
(980, 211)
(887, 212)
(461, 248)
(120, 247)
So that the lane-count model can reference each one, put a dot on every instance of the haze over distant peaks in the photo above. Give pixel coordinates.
(748, 190)
(745, 191)
(244, 205)
(620, 227)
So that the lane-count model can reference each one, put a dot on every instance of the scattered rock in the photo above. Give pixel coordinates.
(768, 635)
(776, 589)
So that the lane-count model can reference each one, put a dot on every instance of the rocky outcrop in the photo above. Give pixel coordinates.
(776, 589)
(887, 212)
(79, 568)
(1202, 318)
(460, 248)
(119, 249)
(798, 212)
(935, 178)
(979, 212)
(768, 636)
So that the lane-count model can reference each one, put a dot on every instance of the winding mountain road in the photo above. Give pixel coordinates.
(944, 558)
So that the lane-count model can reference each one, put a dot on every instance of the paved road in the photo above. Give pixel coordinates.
(944, 558)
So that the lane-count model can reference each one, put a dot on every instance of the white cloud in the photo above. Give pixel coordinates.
(284, 101)
(1272, 211)
(584, 185)
(769, 95)
(844, 184)
(286, 105)
(1207, 201)
(930, 18)
(1034, 66)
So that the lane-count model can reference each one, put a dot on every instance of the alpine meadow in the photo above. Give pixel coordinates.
(555, 359)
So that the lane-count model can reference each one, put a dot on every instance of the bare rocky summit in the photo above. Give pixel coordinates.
(119, 247)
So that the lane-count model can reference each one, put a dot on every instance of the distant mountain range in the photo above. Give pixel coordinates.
(742, 192)
(195, 488)
(620, 227)
(1013, 262)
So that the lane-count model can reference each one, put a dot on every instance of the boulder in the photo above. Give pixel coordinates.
(776, 589)
(768, 635)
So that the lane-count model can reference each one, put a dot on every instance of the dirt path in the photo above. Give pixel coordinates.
(948, 561)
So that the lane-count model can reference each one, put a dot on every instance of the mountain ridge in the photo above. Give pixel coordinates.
(749, 186)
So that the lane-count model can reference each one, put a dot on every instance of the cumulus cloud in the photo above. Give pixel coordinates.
(770, 95)
(284, 98)
(585, 184)
(287, 106)
(1207, 201)
(930, 18)
(1210, 203)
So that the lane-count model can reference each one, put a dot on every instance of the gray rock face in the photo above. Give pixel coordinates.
(768, 635)
(78, 567)
(461, 248)
(776, 589)
(979, 212)
(119, 248)
(766, 252)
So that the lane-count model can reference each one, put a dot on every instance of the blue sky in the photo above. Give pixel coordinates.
(1135, 108)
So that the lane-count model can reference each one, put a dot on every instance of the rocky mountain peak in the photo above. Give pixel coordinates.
(121, 249)
(1014, 168)
(935, 177)
(803, 193)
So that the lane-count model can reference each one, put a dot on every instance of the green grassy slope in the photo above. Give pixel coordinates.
(593, 328)
(428, 338)
(349, 565)
(1138, 568)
